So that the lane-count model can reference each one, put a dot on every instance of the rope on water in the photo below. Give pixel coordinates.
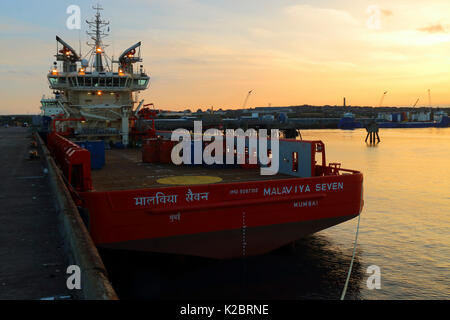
(353, 258)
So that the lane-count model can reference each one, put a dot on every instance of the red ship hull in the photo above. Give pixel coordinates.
(244, 213)
(238, 219)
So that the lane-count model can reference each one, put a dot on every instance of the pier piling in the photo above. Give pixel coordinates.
(372, 133)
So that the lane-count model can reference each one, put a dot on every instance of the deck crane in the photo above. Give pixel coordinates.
(246, 99)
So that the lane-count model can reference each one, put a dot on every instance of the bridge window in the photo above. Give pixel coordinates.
(143, 82)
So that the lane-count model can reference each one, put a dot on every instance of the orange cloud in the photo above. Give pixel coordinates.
(437, 28)
(386, 12)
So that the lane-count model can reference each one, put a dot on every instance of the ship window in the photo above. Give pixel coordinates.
(53, 80)
(143, 82)
(89, 81)
(95, 82)
(109, 82)
(115, 82)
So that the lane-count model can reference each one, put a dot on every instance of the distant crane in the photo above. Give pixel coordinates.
(382, 98)
(246, 99)
(415, 104)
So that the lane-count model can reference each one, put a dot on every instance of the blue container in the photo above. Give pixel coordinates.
(97, 151)
(396, 117)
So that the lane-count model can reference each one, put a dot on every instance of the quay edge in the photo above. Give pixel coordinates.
(78, 244)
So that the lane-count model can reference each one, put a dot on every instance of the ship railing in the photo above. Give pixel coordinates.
(333, 169)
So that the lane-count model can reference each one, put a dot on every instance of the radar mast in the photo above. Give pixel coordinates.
(97, 33)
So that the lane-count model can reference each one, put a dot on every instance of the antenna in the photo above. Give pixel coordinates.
(97, 33)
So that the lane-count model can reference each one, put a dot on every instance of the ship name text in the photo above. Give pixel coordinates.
(286, 190)
(160, 197)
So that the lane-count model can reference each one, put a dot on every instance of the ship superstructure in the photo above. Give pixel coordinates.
(95, 95)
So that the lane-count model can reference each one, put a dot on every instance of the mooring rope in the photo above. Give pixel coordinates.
(353, 258)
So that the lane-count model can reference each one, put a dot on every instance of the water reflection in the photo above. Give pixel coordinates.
(404, 231)
(311, 268)
(372, 145)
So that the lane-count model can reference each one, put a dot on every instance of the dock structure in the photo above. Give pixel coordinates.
(37, 244)
(372, 132)
(33, 262)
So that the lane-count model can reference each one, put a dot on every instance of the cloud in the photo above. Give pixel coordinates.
(436, 28)
(386, 13)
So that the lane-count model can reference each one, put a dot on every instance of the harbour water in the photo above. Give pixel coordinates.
(404, 230)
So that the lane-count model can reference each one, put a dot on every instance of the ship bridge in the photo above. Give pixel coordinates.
(94, 81)
(96, 90)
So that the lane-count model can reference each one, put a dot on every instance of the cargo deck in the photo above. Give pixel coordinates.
(124, 170)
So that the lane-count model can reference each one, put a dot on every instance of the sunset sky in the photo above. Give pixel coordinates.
(203, 53)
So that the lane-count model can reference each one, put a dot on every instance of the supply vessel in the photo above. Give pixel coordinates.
(131, 195)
